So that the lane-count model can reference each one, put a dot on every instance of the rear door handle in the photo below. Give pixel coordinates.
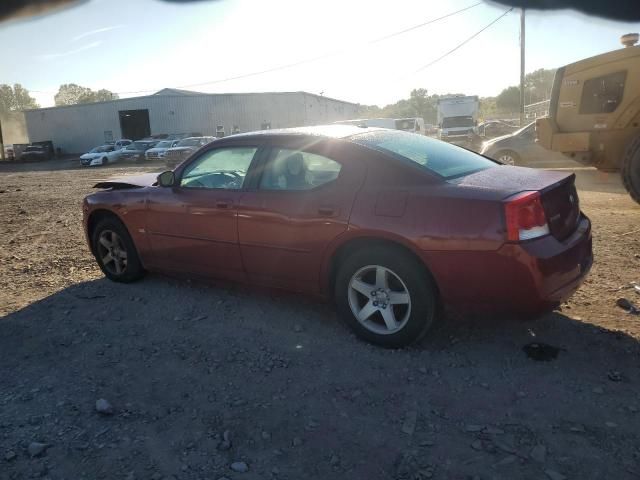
(223, 203)
(326, 211)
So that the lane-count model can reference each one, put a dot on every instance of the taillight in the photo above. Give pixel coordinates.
(525, 217)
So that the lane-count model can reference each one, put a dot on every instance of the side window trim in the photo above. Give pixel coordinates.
(268, 157)
(256, 155)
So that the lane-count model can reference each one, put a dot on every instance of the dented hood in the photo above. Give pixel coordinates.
(130, 181)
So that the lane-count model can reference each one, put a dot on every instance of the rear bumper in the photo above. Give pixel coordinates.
(530, 277)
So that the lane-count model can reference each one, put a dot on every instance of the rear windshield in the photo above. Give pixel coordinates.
(438, 157)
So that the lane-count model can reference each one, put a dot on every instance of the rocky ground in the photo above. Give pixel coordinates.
(167, 379)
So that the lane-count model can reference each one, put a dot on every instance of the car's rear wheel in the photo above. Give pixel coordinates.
(631, 169)
(105, 160)
(385, 296)
(115, 252)
(509, 157)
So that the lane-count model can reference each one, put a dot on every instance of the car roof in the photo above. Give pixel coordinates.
(327, 131)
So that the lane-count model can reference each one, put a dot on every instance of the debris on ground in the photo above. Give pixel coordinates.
(628, 306)
(103, 407)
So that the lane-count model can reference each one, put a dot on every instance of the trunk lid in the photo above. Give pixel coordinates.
(557, 191)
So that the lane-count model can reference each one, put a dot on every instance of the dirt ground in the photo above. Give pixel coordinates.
(205, 382)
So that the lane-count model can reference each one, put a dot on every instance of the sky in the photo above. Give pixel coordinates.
(137, 47)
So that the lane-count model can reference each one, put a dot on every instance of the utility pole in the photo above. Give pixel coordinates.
(522, 67)
(1, 144)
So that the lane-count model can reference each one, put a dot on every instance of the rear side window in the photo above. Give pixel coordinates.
(441, 158)
(298, 170)
(602, 94)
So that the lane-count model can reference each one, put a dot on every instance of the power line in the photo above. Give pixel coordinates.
(463, 43)
(301, 62)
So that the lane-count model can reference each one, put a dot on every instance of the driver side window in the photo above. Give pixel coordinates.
(224, 168)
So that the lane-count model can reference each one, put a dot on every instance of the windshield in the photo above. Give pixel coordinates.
(453, 122)
(163, 144)
(189, 142)
(441, 158)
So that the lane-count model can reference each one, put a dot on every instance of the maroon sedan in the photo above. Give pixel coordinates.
(391, 225)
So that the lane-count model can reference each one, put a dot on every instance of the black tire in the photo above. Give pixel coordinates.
(630, 171)
(421, 311)
(133, 269)
(517, 160)
(105, 160)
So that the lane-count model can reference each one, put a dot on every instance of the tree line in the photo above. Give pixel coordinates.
(16, 97)
(420, 103)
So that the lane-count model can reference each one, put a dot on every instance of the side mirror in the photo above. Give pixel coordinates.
(167, 179)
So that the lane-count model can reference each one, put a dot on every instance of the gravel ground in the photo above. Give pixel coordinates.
(169, 379)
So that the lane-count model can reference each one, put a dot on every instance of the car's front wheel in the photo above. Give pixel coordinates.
(385, 296)
(115, 252)
(509, 157)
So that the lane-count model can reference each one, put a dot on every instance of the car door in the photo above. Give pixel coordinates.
(192, 226)
(528, 149)
(301, 203)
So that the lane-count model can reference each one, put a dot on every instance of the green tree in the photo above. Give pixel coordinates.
(537, 85)
(72, 94)
(509, 99)
(15, 98)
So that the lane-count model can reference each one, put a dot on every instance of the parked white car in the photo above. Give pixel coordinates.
(159, 150)
(100, 155)
(120, 144)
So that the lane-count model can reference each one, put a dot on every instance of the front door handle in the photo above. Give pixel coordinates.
(326, 211)
(223, 203)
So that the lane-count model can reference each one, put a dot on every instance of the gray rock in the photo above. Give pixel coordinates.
(296, 442)
(553, 475)
(240, 467)
(265, 435)
(36, 449)
(334, 460)
(409, 425)
(476, 445)
(297, 328)
(509, 459)
(225, 444)
(10, 455)
(103, 407)
(539, 453)
(474, 428)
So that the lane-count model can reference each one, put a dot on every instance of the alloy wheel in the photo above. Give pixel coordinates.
(112, 252)
(379, 299)
(507, 159)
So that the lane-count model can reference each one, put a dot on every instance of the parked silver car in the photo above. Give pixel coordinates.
(521, 148)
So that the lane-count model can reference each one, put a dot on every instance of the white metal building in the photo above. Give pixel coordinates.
(77, 128)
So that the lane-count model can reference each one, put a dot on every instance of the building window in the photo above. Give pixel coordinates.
(602, 94)
(108, 136)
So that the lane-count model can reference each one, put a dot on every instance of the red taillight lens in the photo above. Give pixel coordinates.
(525, 217)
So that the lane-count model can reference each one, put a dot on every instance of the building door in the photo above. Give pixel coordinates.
(134, 124)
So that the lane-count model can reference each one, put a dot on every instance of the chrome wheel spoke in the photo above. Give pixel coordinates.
(105, 243)
(367, 311)
(381, 277)
(362, 287)
(107, 259)
(389, 318)
(398, 298)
